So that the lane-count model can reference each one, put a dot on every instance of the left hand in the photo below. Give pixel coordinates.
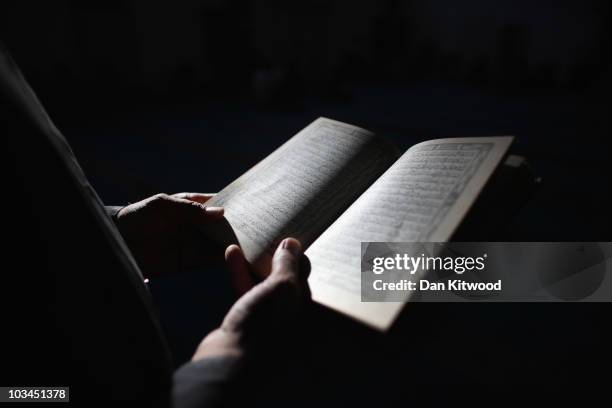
(164, 232)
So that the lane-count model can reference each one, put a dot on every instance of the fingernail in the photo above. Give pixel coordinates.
(292, 245)
(214, 210)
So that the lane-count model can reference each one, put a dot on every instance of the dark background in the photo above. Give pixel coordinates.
(160, 96)
(171, 96)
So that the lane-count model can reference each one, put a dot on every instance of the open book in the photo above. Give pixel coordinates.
(334, 185)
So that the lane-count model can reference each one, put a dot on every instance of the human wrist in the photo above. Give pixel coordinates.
(220, 343)
(113, 211)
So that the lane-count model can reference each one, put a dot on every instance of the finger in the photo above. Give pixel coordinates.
(286, 260)
(196, 211)
(239, 269)
(197, 197)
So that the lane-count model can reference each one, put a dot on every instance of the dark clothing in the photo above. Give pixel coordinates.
(75, 309)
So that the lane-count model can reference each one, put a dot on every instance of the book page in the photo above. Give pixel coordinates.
(421, 198)
(301, 188)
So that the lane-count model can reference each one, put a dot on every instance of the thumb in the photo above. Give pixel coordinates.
(290, 264)
(197, 197)
(195, 211)
(286, 258)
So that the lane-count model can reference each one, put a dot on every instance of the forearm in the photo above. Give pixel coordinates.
(209, 382)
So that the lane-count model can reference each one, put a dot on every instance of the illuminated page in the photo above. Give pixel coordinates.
(421, 198)
(302, 187)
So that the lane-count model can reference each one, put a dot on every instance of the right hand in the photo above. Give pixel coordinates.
(258, 316)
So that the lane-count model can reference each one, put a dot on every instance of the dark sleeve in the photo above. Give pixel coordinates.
(211, 382)
(71, 293)
(112, 211)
